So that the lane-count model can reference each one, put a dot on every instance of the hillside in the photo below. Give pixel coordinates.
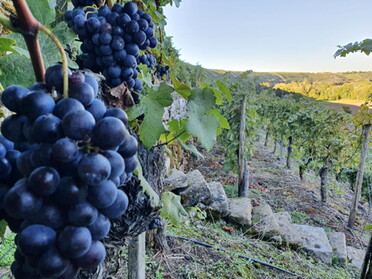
(287, 77)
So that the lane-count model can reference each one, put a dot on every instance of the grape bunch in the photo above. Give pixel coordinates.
(112, 40)
(147, 59)
(161, 70)
(59, 190)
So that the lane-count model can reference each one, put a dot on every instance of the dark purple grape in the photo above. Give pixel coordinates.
(102, 195)
(139, 37)
(54, 77)
(143, 24)
(49, 215)
(129, 147)
(100, 228)
(37, 103)
(117, 113)
(120, 55)
(44, 181)
(93, 25)
(46, 129)
(74, 242)
(94, 257)
(130, 164)
(7, 143)
(130, 8)
(112, 18)
(123, 19)
(65, 106)
(118, 208)
(132, 49)
(65, 150)
(109, 132)
(105, 38)
(19, 202)
(126, 73)
(94, 168)
(129, 61)
(71, 192)
(117, 43)
(132, 27)
(82, 214)
(82, 92)
(116, 162)
(78, 125)
(52, 264)
(97, 108)
(36, 240)
(12, 128)
(89, 79)
(12, 96)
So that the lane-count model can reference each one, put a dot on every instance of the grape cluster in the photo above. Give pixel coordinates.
(60, 188)
(112, 40)
(147, 59)
(161, 70)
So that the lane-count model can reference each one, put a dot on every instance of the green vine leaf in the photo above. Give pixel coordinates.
(172, 209)
(368, 228)
(154, 197)
(200, 124)
(181, 88)
(42, 11)
(225, 90)
(224, 124)
(153, 107)
(192, 149)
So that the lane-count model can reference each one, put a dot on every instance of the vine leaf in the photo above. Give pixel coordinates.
(172, 209)
(153, 107)
(42, 11)
(17, 69)
(181, 88)
(368, 227)
(192, 149)
(224, 124)
(200, 124)
(154, 197)
(225, 90)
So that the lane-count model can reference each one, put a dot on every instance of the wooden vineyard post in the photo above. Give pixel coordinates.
(136, 257)
(243, 171)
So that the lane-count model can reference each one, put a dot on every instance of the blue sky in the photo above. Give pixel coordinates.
(271, 35)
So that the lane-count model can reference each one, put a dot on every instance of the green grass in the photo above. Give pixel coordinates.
(4, 248)
(205, 263)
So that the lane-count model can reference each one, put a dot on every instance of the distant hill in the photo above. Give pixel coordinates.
(325, 86)
(286, 77)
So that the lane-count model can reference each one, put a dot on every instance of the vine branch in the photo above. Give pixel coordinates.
(29, 27)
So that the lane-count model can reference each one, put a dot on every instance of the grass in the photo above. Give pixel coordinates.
(203, 263)
(7, 248)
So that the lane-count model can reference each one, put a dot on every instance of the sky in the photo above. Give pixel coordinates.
(271, 35)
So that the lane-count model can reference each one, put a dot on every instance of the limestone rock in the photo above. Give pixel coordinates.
(176, 180)
(264, 221)
(240, 211)
(338, 243)
(196, 190)
(355, 256)
(315, 241)
(219, 206)
(287, 229)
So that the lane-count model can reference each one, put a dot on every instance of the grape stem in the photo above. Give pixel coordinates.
(29, 27)
(42, 28)
(168, 142)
